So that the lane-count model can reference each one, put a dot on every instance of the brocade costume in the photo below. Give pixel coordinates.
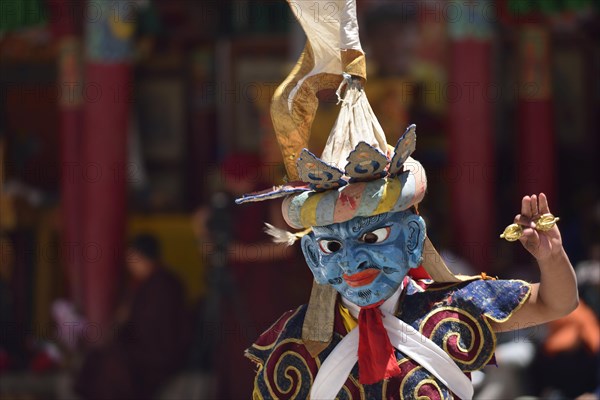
(454, 316)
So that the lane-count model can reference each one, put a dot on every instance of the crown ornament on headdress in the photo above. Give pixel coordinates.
(364, 162)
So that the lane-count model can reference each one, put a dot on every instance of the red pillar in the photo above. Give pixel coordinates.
(107, 110)
(536, 143)
(71, 119)
(471, 167)
(67, 28)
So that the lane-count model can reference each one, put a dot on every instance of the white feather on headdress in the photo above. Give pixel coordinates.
(282, 236)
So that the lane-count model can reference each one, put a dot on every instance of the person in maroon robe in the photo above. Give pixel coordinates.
(151, 338)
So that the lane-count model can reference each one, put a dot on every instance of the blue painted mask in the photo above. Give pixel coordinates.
(366, 259)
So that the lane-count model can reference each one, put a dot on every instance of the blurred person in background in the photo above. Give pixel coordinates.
(246, 269)
(152, 338)
(568, 360)
(567, 363)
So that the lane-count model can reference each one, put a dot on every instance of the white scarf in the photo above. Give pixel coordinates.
(337, 366)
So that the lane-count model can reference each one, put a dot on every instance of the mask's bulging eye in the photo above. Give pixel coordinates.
(329, 246)
(376, 236)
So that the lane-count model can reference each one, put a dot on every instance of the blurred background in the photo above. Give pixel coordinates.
(128, 127)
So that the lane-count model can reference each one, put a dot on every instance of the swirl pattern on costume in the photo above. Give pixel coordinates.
(290, 371)
(460, 335)
(416, 383)
(269, 337)
(352, 390)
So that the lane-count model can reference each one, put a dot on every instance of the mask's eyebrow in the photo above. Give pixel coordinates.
(367, 224)
(327, 230)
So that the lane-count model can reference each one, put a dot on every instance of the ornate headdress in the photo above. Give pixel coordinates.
(358, 174)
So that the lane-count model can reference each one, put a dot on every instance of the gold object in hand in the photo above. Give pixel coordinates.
(512, 232)
(546, 222)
